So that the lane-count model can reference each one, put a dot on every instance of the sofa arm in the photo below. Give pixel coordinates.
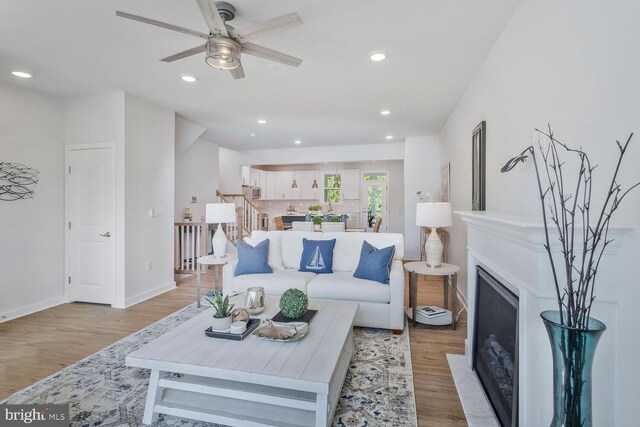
(228, 274)
(396, 290)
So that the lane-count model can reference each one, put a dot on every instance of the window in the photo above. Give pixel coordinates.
(375, 176)
(331, 193)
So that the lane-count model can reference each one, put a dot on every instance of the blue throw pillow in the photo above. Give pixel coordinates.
(317, 256)
(375, 264)
(253, 260)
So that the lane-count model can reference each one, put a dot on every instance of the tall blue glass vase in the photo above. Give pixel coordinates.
(573, 351)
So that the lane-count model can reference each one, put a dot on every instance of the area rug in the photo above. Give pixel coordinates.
(102, 391)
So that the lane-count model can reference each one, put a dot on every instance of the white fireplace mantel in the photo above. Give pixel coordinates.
(511, 248)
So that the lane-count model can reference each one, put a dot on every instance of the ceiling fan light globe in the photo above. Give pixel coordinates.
(223, 53)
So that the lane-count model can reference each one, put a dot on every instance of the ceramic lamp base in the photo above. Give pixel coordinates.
(433, 248)
(219, 243)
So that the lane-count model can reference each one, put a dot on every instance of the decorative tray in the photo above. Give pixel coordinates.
(251, 326)
(282, 332)
(306, 318)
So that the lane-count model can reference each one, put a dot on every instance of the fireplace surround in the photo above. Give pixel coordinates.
(510, 247)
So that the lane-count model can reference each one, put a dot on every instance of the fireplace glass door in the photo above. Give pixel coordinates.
(495, 353)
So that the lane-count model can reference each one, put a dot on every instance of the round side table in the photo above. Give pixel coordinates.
(216, 262)
(449, 273)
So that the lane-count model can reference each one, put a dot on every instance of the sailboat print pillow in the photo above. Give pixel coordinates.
(317, 256)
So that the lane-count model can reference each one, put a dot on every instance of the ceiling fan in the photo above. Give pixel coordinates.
(224, 43)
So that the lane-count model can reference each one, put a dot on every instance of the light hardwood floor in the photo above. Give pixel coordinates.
(36, 346)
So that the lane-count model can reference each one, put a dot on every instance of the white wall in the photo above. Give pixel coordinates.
(149, 183)
(571, 64)
(422, 161)
(31, 231)
(344, 153)
(230, 171)
(196, 175)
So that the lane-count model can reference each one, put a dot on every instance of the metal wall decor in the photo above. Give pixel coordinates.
(478, 165)
(15, 181)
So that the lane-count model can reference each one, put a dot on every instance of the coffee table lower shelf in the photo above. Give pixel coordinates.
(237, 403)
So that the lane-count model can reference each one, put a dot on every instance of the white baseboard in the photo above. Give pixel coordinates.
(128, 302)
(32, 308)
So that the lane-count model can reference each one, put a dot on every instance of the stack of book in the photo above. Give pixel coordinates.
(431, 311)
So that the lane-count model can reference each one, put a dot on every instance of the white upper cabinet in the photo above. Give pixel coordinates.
(350, 183)
(246, 175)
(254, 176)
(269, 187)
(283, 185)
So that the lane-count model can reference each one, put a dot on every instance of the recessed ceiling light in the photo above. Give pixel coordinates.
(385, 112)
(252, 135)
(377, 56)
(389, 136)
(21, 74)
(188, 78)
(262, 121)
(297, 141)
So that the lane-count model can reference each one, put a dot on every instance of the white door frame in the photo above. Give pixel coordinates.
(67, 210)
(363, 198)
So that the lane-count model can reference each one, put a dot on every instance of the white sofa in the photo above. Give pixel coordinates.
(381, 305)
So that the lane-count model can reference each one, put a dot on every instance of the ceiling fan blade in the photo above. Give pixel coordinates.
(270, 54)
(212, 17)
(185, 53)
(238, 73)
(258, 29)
(161, 24)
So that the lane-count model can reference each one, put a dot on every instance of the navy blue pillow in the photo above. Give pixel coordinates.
(375, 264)
(317, 256)
(253, 260)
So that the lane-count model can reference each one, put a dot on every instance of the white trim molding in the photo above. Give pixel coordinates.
(32, 308)
(136, 299)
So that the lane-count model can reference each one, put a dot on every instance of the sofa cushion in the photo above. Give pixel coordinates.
(317, 256)
(291, 246)
(341, 285)
(275, 283)
(346, 254)
(253, 259)
(275, 248)
(375, 264)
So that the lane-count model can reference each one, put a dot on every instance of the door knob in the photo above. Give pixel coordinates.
(107, 234)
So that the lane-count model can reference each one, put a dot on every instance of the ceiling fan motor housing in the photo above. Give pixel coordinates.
(227, 10)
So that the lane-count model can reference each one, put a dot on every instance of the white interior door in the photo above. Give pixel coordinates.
(91, 220)
(374, 204)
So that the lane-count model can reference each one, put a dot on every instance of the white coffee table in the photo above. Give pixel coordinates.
(252, 382)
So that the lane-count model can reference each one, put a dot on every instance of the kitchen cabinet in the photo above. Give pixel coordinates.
(350, 184)
(246, 175)
(269, 187)
(283, 185)
(254, 175)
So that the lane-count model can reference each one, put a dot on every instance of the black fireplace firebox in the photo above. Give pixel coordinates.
(495, 346)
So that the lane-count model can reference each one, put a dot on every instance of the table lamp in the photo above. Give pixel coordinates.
(433, 215)
(220, 213)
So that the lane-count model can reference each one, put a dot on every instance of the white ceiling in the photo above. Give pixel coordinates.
(77, 47)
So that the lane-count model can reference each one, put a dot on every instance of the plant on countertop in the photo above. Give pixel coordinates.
(221, 305)
(315, 208)
(317, 220)
(583, 233)
(335, 219)
(294, 303)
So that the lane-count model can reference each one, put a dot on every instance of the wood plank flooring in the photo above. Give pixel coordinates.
(36, 346)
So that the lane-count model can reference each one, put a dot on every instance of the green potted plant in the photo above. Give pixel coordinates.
(317, 222)
(222, 317)
(582, 228)
(335, 219)
(294, 303)
(315, 208)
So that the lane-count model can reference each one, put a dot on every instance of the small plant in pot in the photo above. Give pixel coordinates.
(294, 303)
(317, 221)
(315, 208)
(335, 219)
(222, 318)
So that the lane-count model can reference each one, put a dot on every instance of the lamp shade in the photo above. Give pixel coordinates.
(220, 213)
(434, 215)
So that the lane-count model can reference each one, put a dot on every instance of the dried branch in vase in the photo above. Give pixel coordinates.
(582, 229)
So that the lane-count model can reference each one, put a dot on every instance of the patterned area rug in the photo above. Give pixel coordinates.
(102, 391)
